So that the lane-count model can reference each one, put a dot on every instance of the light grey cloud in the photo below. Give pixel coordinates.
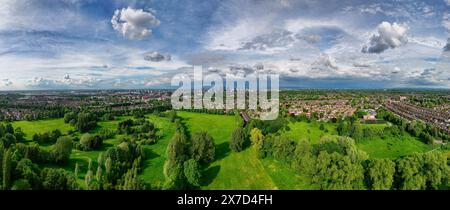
(447, 46)
(446, 20)
(66, 82)
(156, 57)
(134, 24)
(389, 36)
(310, 38)
(274, 39)
(324, 63)
(241, 68)
(6, 82)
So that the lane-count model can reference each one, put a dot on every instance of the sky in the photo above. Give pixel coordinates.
(114, 44)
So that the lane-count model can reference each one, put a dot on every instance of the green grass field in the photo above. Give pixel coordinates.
(156, 154)
(393, 147)
(41, 126)
(308, 131)
(241, 170)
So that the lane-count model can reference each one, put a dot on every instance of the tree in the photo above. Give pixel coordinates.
(2, 130)
(177, 148)
(21, 184)
(62, 149)
(19, 134)
(2, 154)
(77, 169)
(381, 174)
(435, 169)
(192, 172)
(85, 122)
(322, 126)
(88, 179)
(237, 140)
(8, 139)
(409, 173)
(58, 179)
(335, 171)
(257, 139)
(90, 142)
(202, 147)
(70, 116)
(7, 169)
(303, 158)
(99, 174)
(132, 180)
(172, 115)
(29, 171)
(173, 167)
(174, 173)
(9, 128)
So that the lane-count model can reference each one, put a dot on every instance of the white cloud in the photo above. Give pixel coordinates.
(134, 24)
(389, 36)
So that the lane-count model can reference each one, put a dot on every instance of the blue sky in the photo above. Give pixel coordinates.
(90, 44)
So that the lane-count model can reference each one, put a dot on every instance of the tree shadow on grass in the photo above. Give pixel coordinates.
(222, 150)
(209, 175)
(149, 154)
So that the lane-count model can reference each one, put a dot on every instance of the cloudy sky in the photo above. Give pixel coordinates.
(82, 44)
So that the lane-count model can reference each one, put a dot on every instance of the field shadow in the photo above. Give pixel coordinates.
(222, 150)
(209, 175)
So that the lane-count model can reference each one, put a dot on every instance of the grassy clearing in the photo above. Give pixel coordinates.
(393, 147)
(238, 171)
(284, 177)
(156, 154)
(41, 126)
(230, 170)
(380, 126)
(308, 131)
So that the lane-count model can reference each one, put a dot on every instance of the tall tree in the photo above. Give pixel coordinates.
(62, 149)
(410, 174)
(257, 139)
(192, 172)
(335, 171)
(237, 140)
(202, 147)
(177, 148)
(7, 169)
(381, 174)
